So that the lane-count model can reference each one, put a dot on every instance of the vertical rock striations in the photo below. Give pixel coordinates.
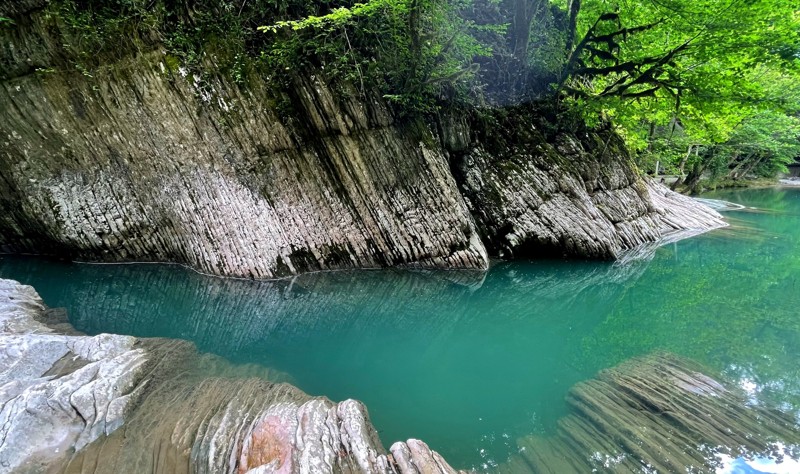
(117, 404)
(564, 197)
(146, 160)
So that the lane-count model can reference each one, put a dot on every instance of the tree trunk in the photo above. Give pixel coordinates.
(734, 174)
(750, 167)
(572, 27)
(524, 11)
(693, 178)
(415, 44)
(679, 180)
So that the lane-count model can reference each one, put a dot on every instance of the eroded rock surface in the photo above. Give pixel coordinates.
(574, 199)
(57, 392)
(659, 413)
(118, 404)
(148, 161)
(145, 162)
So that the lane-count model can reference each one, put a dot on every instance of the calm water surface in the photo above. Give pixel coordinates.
(468, 362)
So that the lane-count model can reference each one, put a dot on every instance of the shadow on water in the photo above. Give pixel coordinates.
(474, 363)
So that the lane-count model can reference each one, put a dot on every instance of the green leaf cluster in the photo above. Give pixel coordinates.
(416, 52)
(722, 76)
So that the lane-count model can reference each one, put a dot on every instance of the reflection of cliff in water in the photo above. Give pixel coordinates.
(232, 316)
(428, 352)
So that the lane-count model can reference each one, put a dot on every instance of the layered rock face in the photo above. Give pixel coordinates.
(142, 162)
(117, 404)
(566, 197)
(147, 161)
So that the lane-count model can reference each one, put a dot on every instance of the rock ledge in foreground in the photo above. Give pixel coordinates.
(116, 404)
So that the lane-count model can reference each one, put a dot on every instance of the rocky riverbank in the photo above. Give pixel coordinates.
(119, 404)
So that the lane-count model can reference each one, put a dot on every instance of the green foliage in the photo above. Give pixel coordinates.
(414, 51)
(691, 85)
(764, 143)
(101, 31)
(95, 28)
(724, 71)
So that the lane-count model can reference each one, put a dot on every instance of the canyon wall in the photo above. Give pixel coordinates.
(143, 159)
(142, 162)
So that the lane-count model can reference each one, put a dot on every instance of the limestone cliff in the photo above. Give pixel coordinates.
(567, 194)
(143, 159)
(141, 162)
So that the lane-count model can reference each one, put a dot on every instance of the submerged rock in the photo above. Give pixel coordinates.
(118, 404)
(658, 413)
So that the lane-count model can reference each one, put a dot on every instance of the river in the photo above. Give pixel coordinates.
(471, 362)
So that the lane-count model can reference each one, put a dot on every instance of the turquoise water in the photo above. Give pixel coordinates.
(471, 362)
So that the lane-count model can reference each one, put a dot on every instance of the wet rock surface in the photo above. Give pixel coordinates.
(58, 392)
(658, 413)
(80, 404)
(175, 410)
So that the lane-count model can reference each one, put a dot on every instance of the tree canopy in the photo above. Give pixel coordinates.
(723, 77)
(694, 86)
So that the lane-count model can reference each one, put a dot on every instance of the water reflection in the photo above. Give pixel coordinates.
(781, 460)
(468, 362)
(472, 363)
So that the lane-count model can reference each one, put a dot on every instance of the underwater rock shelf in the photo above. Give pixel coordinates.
(118, 404)
(657, 413)
(110, 403)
